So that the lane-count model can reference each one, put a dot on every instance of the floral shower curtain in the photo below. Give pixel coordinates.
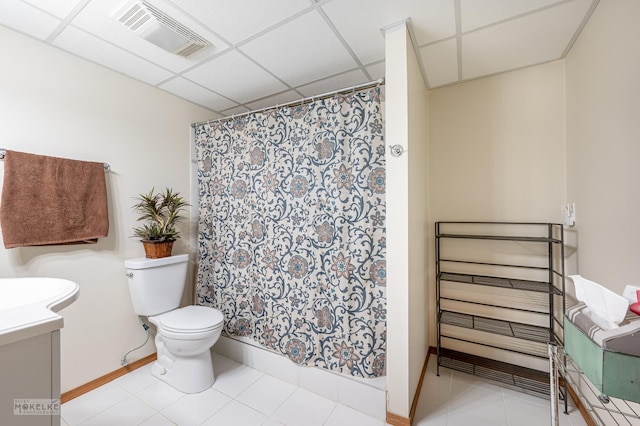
(291, 232)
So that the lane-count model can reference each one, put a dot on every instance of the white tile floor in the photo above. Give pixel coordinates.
(242, 396)
(459, 399)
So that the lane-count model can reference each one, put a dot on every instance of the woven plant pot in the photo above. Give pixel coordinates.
(157, 249)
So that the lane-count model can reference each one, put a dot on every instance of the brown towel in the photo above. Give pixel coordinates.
(49, 200)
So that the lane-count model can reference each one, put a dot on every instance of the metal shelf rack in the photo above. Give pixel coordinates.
(500, 300)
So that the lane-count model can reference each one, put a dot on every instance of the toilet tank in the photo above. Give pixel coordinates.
(156, 285)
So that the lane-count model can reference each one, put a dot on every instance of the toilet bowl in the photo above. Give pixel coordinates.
(183, 340)
(184, 335)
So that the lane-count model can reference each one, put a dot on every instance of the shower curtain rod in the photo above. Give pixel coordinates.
(303, 101)
(107, 167)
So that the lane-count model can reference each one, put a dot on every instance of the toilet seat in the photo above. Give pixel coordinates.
(190, 319)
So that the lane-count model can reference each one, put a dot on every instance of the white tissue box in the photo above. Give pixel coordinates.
(631, 293)
(609, 308)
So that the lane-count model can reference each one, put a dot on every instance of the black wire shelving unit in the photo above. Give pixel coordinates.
(474, 260)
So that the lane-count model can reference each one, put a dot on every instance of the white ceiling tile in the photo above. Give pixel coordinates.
(440, 61)
(99, 18)
(197, 94)
(301, 51)
(59, 8)
(286, 44)
(237, 20)
(377, 70)
(431, 19)
(236, 77)
(233, 111)
(362, 35)
(519, 43)
(475, 14)
(92, 48)
(279, 99)
(337, 82)
(360, 21)
(27, 19)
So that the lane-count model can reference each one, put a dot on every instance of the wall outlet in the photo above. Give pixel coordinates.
(569, 214)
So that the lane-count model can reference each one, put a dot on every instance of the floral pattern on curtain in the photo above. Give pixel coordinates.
(291, 234)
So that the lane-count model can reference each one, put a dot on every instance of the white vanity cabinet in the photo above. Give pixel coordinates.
(30, 381)
(30, 349)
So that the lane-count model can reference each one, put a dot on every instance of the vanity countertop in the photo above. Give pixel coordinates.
(29, 306)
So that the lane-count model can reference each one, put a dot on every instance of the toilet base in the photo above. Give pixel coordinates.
(192, 374)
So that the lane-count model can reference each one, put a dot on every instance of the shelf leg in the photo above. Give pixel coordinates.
(553, 382)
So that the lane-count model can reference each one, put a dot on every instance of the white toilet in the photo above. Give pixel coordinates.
(185, 335)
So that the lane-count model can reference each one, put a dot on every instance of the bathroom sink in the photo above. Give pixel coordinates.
(28, 306)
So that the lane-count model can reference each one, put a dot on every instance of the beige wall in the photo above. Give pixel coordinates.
(497, 147)
(53, 103)
(418, 230)
(496, 151)
(406, 111)
(603, 143)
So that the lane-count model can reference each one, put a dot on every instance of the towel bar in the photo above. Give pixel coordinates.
(107, 167)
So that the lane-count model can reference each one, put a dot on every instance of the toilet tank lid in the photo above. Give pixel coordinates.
(145, 263)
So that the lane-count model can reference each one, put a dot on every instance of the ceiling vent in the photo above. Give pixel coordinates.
(160, 29)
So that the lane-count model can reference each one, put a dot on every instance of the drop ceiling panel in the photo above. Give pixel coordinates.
(279, 99)
(267, 49)
(58, 8)
(440, 61)
(236, 77)
(341, 81)
(98, 17)
(360, 21)
(222, 16)
(519, 42)
(362, 35)
(376, 71)
(27, 19)
(92, 48)
(301, 51)
(432, 19)
(197, 94)
(233, 111)
(475, 14)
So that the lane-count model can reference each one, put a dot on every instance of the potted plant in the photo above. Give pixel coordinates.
(160, 212)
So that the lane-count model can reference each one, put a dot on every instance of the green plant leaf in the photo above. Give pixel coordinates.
(160, 212)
